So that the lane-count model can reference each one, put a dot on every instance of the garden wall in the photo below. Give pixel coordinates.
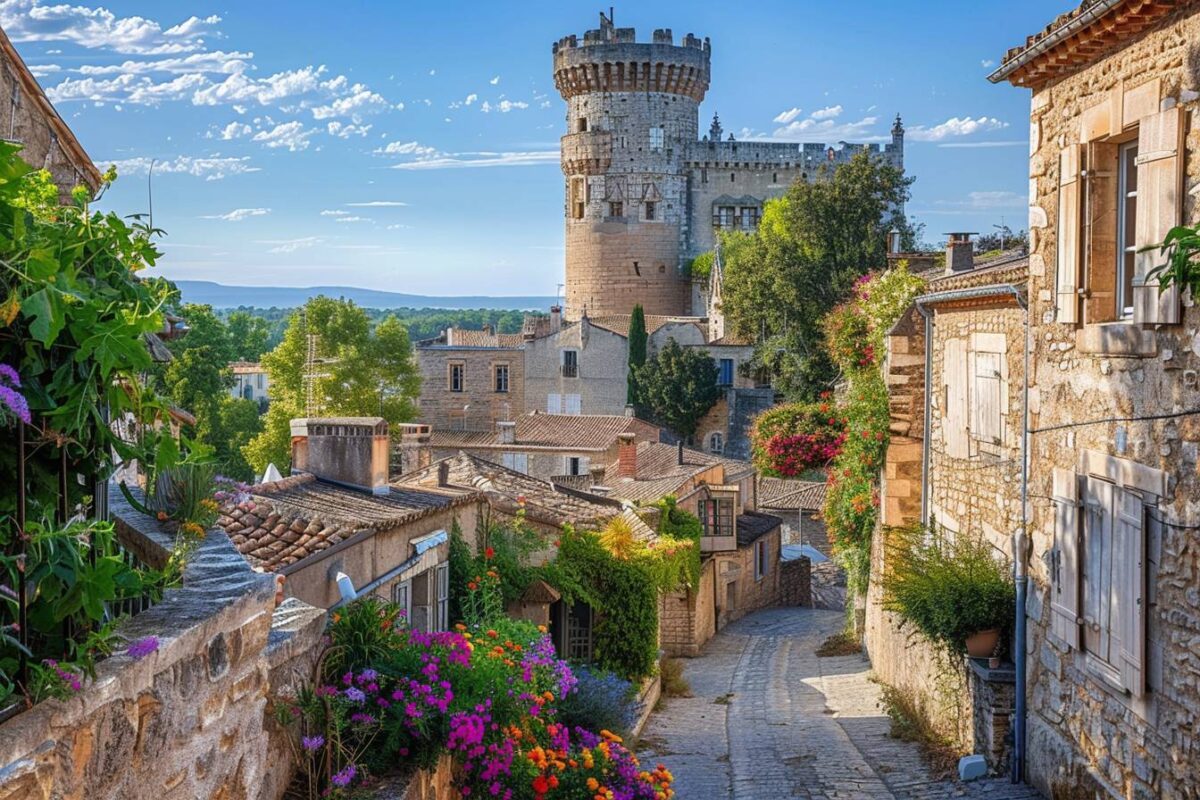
(193, 719)
(688, 619)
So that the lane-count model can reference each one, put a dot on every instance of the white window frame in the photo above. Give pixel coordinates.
(1126, 202)
(553, 403)
(716, 443)
(572, 404)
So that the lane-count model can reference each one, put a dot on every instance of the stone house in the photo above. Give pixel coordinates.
(250, 382)
(740, 549)
(1113, 607)
(547, 445)
(338, 516)
(32, 122)
(470, 380)
(580, 369)
(969, 327)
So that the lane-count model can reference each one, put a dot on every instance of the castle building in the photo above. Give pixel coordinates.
(644, 192)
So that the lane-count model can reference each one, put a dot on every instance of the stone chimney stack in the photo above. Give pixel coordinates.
(507, 432)
(555, 319)
(597, 473)
(679, 456)
(893, 242)
(627, 455)
(412, 450)
(352, 451)
(960, 252)
(489, 329)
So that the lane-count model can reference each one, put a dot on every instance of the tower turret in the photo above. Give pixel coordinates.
(632, 114)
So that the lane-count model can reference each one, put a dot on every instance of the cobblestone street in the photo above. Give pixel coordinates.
(771, 720)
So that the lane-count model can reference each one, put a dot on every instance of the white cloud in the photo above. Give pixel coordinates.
(217, 61)
(784, 117)
(238, 214)
(239, 87)
(44, 70)
(969, 145)
(210, 168)
(139, 90)
(360, 100)
(346, 130)
(331, 212)
(828, 130)
(481, 159)
(234, 130)
(494, 80)
(987, 63)
(291, 245)
(32, 21)
(829, 112)
(352, 219)
(406, 149)
(378, 204)
(997, 200)
(503, 107)
(954, 126)
(292, 135)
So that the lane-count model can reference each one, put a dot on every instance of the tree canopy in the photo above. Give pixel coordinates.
(361, 372)
(809, 249)
(678, 386)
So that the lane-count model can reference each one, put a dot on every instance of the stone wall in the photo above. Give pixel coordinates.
(688, 619)
(193, 719)
(1082, 733)
(795, 582)
(478, 407)
(603, 369)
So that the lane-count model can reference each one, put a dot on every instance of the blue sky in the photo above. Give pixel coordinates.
(413, 147)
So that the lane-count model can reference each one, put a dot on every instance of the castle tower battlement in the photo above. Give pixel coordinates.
(644, 192)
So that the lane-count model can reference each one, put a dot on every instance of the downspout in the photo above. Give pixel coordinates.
(1021, 537)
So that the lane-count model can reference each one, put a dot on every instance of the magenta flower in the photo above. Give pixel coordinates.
(140, 648)
(344, 777)
(311, 743)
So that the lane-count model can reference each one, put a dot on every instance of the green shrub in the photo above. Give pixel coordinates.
(948, 588)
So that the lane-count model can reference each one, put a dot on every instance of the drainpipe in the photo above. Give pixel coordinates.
(1021, 537)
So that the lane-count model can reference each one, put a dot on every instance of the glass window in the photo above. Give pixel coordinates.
(518, 462)
(718, 516)
(570, 363)
(656, 138)
(650, 209)
(723, 216)
(716, 443)
(762, 560)
(749, 217)
(457, 376)
(616, 209)
(502, 378)
(1126, 226)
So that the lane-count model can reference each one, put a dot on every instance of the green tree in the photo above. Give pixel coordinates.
(362, 372)
(637, 351)
(804, 258)
(239, 422)
(248, 335)
(678, 386)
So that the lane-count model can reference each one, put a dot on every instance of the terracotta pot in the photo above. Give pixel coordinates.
(984, 643)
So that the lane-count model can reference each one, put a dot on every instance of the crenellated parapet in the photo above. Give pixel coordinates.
(611, 60)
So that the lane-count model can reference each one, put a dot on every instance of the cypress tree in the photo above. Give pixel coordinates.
(637, 351)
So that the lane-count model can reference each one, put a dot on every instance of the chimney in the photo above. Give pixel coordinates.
(627, 455)
(443, 477)
(555, 318)
(413, 451)
(489, 329)
(960, 252)
(450, 336)
(680, 456)
(597, 473)
(893, 242)
(352, 451)
(507, 431)
(629, 410)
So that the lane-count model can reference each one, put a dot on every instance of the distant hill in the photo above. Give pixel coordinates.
(219, 295)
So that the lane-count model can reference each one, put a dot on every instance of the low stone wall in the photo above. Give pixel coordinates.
(193, 719)
(795, 582)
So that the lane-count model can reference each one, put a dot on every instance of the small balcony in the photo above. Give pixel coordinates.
(568, 370)
(586, 152)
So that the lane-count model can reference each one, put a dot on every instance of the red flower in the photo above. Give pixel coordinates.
(489, 553)
(541, 785)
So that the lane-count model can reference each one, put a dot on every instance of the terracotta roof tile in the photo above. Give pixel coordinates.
(659, 472)
(787, 494)
(752, 526)
(619, 323)
(538, 430)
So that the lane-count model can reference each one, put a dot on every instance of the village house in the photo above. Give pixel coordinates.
(471, 379)
(547, 445)
(337, 515)
(250, 382)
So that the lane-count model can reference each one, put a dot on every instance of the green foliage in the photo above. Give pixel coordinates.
(678, 386)
(701, 266)
(947, 586)
(364, 372)
(637, 351)
(248, 335)
(361, 634)
(678, 525)
(809, 249)
(1181, 265)
(794, 438)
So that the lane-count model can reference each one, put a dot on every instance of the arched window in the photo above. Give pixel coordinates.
(716, 443)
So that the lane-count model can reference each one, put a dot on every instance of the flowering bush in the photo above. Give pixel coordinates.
(791, 439)
(13, 405)
(488, 697)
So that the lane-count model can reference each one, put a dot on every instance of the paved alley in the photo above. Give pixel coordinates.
(771, 720)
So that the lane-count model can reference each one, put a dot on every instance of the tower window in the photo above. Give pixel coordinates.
(650, 209)
(732, 177)
(616, 209)
(582, 124)
(656, 139)
(662, 269)
(704, 174)
(774, 177)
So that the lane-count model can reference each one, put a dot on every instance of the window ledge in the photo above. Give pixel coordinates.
(1116, 339)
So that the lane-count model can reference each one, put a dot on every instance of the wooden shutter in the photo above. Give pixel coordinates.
(985, 407)
(553, 403)
(956, 413)
(1159, 208)
(443, 597)
(1067, 300)
(1129, 549)
(1100, 233)
(1097, 567)
(1064, 570)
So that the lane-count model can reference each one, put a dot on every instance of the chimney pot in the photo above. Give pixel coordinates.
(507, 432)
(960, 252)
(443, 475)
(627, 455)
(353, 451)
(555, 319)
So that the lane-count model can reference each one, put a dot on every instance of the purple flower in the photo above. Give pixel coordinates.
(8, 372)
(344, 777)
(355, 695)
(140, 648)
(16, 403)
(312, 742)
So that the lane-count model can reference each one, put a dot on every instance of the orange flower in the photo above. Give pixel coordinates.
(472, 585)
(492, 634)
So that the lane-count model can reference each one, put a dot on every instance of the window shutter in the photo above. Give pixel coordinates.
(553, 403)
(956, 413)
(1100, 232)
(986, 407)
(1064, 568)
(443, 597)
(1068, 235)
(572, 404)
(1130, 548)
(1159, 207)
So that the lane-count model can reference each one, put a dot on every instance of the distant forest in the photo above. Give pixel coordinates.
(422, 323)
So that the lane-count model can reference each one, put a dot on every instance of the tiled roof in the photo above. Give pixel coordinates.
(784, 493)
(732, 340)
(246, 367)
(1079, 37)
(1006, 268)
(541, 500)
(464, 337)
(294, 518)
(541, 431)
(659, 472)
(619, 323)
(752, 526)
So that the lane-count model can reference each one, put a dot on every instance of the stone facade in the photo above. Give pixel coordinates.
(194, 718)
(470, 400)
(795, 582)
(688, 619)
(31, 121)
(643, 191)
(598, 383)
(1135, 737)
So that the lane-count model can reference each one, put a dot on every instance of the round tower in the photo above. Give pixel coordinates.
(632, 112)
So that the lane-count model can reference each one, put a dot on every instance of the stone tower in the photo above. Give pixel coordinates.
(632, 116)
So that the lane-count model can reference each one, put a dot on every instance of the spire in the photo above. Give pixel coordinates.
(898, 127)
(714, 131)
